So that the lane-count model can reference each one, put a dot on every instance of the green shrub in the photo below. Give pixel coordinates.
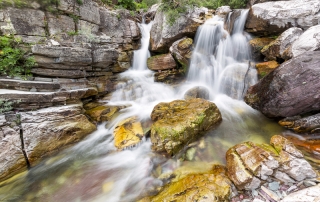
(6, 105)
(13, 60)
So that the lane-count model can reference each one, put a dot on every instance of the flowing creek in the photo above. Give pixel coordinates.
(93, 170)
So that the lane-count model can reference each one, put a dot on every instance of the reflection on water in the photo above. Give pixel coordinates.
(93, 170)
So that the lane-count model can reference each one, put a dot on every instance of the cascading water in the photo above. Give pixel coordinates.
(93, 170)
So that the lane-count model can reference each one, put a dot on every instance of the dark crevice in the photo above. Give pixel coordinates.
(23, 150)
(22, 143)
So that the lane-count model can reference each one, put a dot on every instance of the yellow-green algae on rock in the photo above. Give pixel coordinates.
(181, 121)
(203, 183)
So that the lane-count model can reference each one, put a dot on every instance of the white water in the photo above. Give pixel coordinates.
(94, 171)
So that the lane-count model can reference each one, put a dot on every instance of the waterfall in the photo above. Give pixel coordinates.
(93, 170)
(220, 60)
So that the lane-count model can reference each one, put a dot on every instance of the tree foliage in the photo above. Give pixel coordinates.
(13, 60)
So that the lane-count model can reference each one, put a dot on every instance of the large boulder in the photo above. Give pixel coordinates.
(48, 130)
(161, 62)
(182, 51)
(180, 122)
(302, 124)
(265, 68)
(249, 164)
(274, 17)
(308, 41)
(163, 34)
(276, 49)
(289, 90)
(210, 185)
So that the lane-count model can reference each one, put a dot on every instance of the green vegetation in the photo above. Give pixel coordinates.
(6, 105)
(173, 8)
(13, 60)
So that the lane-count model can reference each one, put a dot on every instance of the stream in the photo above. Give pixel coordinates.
(93, 169)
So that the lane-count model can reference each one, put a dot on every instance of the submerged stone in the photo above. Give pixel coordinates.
(197, 92)
(180, 122)
(127, 133)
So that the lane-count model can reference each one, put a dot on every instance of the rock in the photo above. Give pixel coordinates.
(307, 194)
(249, 164)
(23, 22)
(104, 56)
(302, 125)
(116, 25)
(127, 133)
(102, 112)
(308, 41)
(89, 11)
(274, 17)
(170, 76)
(63, 55)
(58, 127)
(67, 6)
(257, 45)
(308, 145)
(180, 122)
(265, 68)
(163, 35)
(212, 185)
(275, 50)
(197, 92)
(58, 24)
(161, 62)
(182, 51)
(279, 94)
(151, 13)
(223, 10)
(12, 159)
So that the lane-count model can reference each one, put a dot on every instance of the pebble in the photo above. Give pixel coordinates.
(292, 188)
(274, 186)
(270, 193)
(257, 200)
(246, 200)
(300, 183)
(308, 183)
(254, 192)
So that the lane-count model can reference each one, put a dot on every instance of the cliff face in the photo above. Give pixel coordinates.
(76, 47)
(79, 49)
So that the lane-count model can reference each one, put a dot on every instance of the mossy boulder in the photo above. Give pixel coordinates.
(212, 185)
(180, 122)
(257, 45)
(103, 112)
(182, 51)
(127, 133)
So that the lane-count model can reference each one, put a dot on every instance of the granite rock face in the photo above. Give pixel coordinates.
(274, 17)
(289, 90)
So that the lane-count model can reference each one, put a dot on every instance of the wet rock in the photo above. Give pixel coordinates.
(171, 76)
(11, 156)
(308, 41)
(302, 125)
(223, 10)
(127, 133)
(308, 194)
(151, 13)
(180, 121)
(274, 17)
(289, 89)
(265, 68)
(250, 164)
(212, 185)
(182, 51)
(308, 144)
(197, 92)
(257, 45)
(161, 62)
(275, 50)
(50, 129)
(163, 35)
